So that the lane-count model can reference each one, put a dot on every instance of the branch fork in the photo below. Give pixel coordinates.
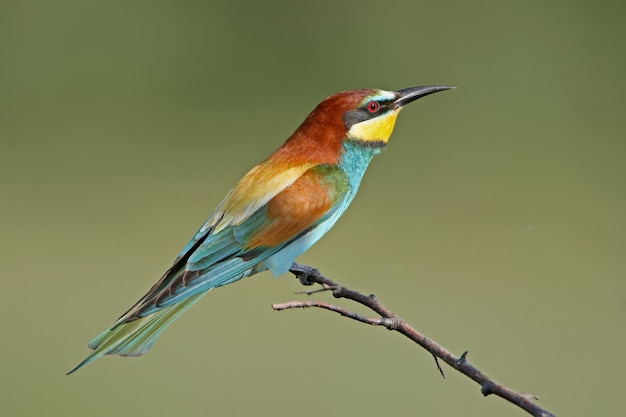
(309, 276)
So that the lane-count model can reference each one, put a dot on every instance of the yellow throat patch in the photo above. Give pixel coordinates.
(378, 129)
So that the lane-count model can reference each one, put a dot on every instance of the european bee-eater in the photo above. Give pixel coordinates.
(275, 212)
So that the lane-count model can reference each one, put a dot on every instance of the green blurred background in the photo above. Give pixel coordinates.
(493, 223)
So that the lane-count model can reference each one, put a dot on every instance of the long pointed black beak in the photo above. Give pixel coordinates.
(408, 95)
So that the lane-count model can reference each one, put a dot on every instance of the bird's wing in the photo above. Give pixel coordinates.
(251, 193)
(221, 254)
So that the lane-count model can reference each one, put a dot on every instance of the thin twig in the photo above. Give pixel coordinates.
(443, 374)
(331, 307)
(309, 276)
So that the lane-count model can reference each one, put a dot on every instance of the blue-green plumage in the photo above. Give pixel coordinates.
(220, 260)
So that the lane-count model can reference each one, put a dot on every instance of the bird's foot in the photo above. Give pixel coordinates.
(304, 273)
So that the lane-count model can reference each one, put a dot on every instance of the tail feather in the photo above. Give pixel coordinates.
(134, 338)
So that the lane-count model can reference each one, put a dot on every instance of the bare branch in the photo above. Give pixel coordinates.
(309, 276)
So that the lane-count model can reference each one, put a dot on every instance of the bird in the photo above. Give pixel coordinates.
(274, 213)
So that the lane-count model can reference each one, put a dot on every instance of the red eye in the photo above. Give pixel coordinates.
(373, 106)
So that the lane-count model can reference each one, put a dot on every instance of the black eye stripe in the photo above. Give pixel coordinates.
(362, 114)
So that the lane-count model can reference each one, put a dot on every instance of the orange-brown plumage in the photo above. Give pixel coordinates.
(319, 138)
(317, 141)
(293, 210)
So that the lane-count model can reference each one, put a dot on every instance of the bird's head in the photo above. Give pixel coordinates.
(366, 117)
(372, 119)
